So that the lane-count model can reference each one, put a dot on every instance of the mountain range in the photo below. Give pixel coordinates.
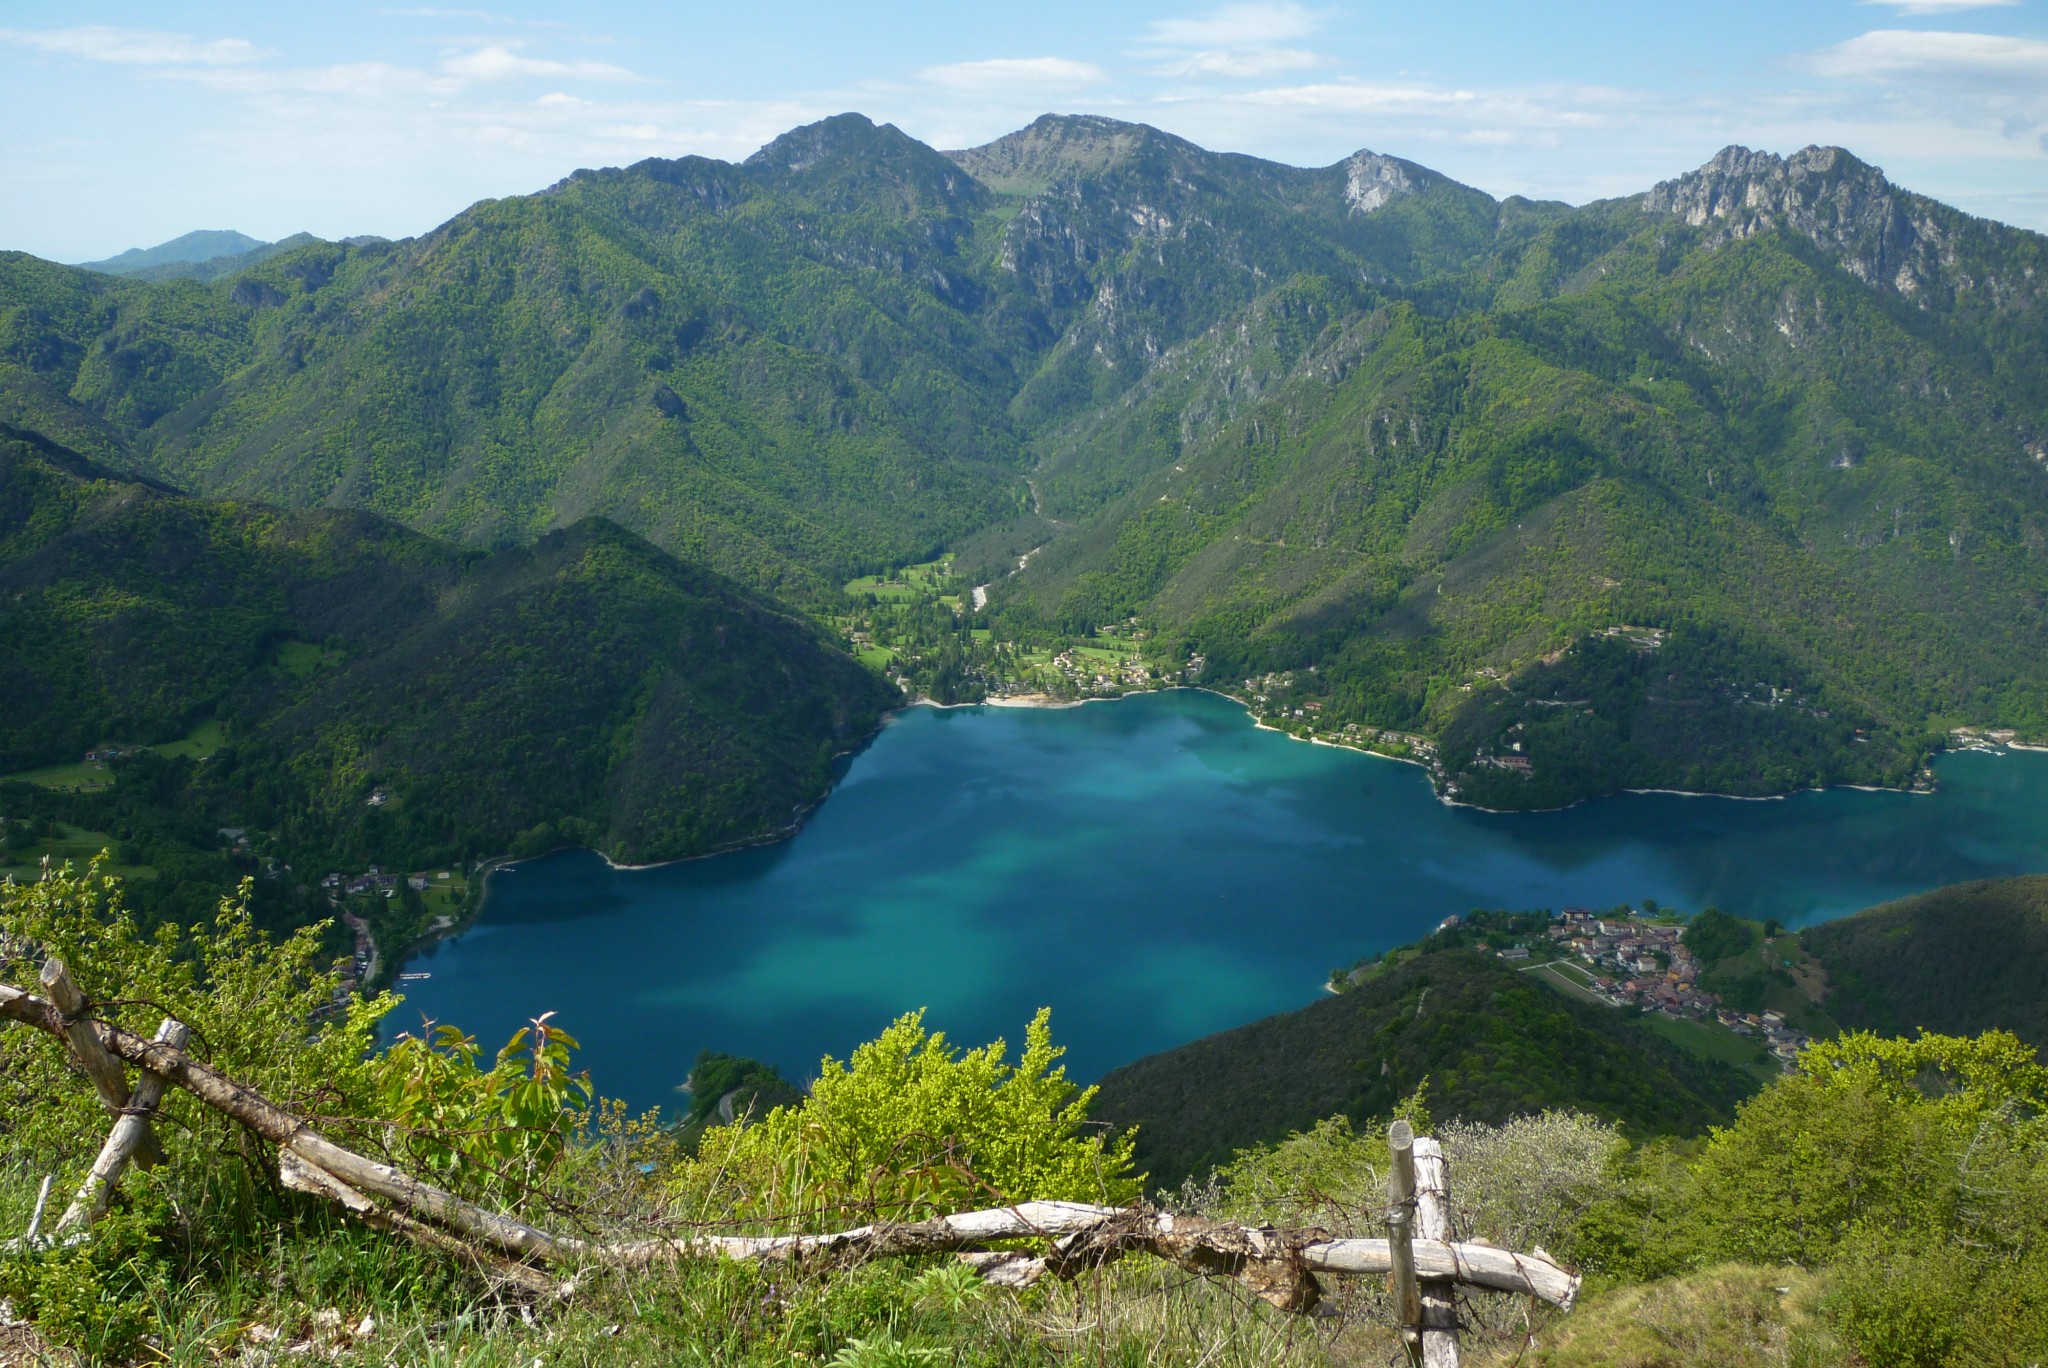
(1420, 451)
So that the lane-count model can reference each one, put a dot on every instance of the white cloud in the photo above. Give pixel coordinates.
(138, 47)
(499, 62)
(1360, 97)
(1037, 73)
(1913, 7)
(1532, 116)
(1904, 52)
(1240, 25)
(1240, 62)
(1236, 42)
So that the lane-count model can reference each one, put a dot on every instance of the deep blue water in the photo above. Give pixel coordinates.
(1153, 869)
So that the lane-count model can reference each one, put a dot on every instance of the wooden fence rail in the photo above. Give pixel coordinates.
(1281, 1266)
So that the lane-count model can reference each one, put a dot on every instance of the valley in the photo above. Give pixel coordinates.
(641, 621)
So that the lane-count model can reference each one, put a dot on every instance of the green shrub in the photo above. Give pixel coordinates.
(99, 1296)
(1879, 1137)
(911, 1127)
(496, 1132)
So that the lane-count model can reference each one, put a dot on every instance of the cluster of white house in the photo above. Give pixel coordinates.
(376, 879)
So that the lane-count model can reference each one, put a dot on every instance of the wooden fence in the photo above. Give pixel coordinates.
(1424, 1265)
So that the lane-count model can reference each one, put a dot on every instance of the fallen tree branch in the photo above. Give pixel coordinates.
(300, 1176)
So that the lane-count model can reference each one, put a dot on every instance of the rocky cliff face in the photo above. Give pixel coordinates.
(1878, 233)
(1371, 180)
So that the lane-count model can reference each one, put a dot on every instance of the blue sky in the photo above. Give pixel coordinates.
(126, 124)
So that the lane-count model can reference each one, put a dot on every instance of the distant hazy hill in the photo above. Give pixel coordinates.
(1492, 1043)
(1357, 417)
(1959, 960)
(207, 244)
(214, 268)
(587, 689)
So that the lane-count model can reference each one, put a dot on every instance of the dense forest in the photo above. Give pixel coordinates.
(1957, 960)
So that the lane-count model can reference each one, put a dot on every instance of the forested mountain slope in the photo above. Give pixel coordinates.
(1969, 958)
(187, 249)
(1778, 407)
(1356, 417)
(586, 689)
(1492, 1044)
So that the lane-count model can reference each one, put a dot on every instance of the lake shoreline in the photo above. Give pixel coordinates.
(1154, 874)
(1048, 703)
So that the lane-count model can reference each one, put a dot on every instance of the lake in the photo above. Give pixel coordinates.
(1154, 869)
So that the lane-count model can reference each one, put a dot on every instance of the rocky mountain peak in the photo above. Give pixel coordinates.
(1371, 180)
(1877, 232)
(1057, 147)
(800, 149)
(848, 158)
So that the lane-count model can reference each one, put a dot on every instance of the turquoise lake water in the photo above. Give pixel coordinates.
(1153, 869)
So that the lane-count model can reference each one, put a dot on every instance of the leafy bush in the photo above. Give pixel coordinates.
(99, 1296)
(263, 1012)
(1893, 1137)
(910, 1127)
(485, 1132)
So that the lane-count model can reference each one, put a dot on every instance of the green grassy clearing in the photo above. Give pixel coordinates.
(77, 777)
(71, 843)
(907, 585)
(1776, 976)
(445, 897)
(1577, 973)
(202, 741)
(889, 591)
(1560, 976)
(83, 776)
(1713, 1042)
(300, 659)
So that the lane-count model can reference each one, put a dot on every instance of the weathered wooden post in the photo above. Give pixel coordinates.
(1401, 1231)
(126, 1139)
(1433, 1222)
(109, 1079)
(1418, 1205)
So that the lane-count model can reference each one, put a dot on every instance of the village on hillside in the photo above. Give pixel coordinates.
(1647, 965)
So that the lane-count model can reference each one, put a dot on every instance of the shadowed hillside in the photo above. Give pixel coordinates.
(588, 689)
(1972, 957)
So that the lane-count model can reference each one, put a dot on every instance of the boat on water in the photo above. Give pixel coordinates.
(414, 978)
